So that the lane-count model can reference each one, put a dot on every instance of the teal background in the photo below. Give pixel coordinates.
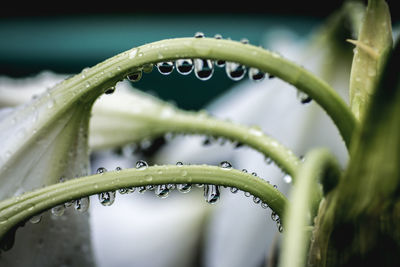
(67, 44)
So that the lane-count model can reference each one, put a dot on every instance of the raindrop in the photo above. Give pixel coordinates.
(141, 165)
(245, 41)
(244, 170)
(110, 90)
(264, 205)
(36, 219)
(107, 198)
(101, 170)
(165, 68)
(225, 165)
(247, 194)
(135, 76)
(256, 75)
(184, 66)
(118, 169)
(179, 163)
(171, 186)
(274, 216)
(200, 185)
(256, 200)
(254, 173)
(142, 189)
(275, 186)
(303, 97)
(82, 204)
(199, 35)
(150, 187)
(234, 190)
(58, 210)
(184, 188)
(123, 191)
(211, 193)
(280, 227)
(268, 160)
(162, 191)
(203, 69)
(235, 71)
(148, 68)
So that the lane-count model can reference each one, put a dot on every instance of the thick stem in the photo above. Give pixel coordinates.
(19, 209)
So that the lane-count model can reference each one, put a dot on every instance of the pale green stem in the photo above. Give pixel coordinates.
(21, 208)
(305, 197)
(199, 123)
(107, 73)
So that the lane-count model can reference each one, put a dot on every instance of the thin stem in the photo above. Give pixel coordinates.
(305, 197)
(133, 126)
(109, 72)
(21, 208)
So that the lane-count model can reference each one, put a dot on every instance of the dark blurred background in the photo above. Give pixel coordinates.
(66, 37)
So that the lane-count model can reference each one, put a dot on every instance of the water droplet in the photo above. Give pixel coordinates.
(184, 66)
(101, 170)
(254, 173)
(234, 190)
(110, 90)
(162, 191)
(287, 178)
(171, 186)
(135, 76)
(184, 188)
(256, 200)
(165, 68)
(107, 198)
(36, 219)
(256, 75)
(244, 170)
(245, 41)
(203, 69)
(219, 63)
(200, 185)
(275, 186)
(235, 71)
(58, 210)
(303, 97)
(82, 204)
(148, 68)
(142, 189)
(247, 194)
(150, 187)
(141, 165)
(274, 216)
(225, 165)
(211, 193)
(264, 205)
(268, 160)
(118, 169)
(199, 35)
(179, 163)
(123, 191)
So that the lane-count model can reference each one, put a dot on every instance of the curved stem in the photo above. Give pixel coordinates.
(109, 72)
(21, 208)
(151, 122)
(305, 198)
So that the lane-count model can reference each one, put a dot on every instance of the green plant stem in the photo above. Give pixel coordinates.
(107, 73)
(154, 123)
(19, 209)
(305, 196)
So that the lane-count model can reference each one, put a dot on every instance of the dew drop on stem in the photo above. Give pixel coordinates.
(141, 165)
(219, 63)
(225, 165)
(107, 198)
(211, 193)
(101, 170)
(203, 69)
(184, 66)
(165, 68)
(184, 188)
(303, 97)
(35, 219)
(256, 200)
(82, 204)
(234, 190)
(256, 75)
(199, 35)
(135, 76)
(110, 90)
(162, 191)
(58, 210)
(235, 71)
